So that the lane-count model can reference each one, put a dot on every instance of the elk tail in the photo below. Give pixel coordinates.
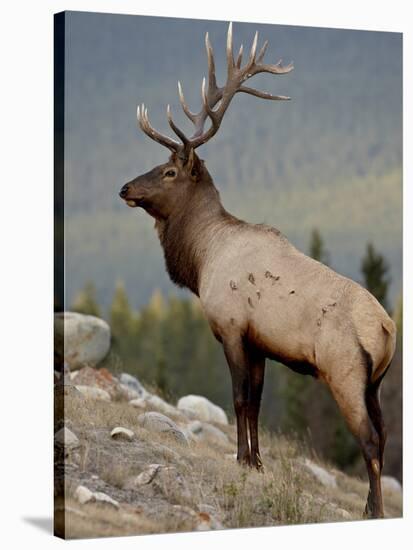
(379, 370)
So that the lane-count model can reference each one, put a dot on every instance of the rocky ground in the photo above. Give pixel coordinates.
(127, 463)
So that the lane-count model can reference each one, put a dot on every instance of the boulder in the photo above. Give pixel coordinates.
(202, 431)
(324, 477)
(202, 409)
(66, 438)
(80, 339)
(133, 383)
(391, 485)
(158, 422)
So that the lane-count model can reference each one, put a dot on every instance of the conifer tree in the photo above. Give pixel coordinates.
(86, 302)
(374, 268)
(317, 249)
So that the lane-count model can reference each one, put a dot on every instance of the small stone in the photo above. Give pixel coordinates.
(160, 423)
(202, 431)
(343, 513)
(66, 438)
(139, 403)
(233, 285)
(251, 278)
(324, 477)
(85, 495)
(147, 475)
(103, 498)
(122, 433)
(133, 383)
(391, 484)
(91, 392)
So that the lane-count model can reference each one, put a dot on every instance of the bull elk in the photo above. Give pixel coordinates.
(262, 297)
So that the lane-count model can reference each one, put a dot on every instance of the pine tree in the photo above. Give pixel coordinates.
(317, 249)
(86, 302)
(375, 269)
(120, 313)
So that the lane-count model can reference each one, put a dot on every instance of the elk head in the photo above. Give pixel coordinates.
(165, 187)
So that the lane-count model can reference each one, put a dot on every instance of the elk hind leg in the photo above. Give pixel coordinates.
(376, 417)
(349, 391)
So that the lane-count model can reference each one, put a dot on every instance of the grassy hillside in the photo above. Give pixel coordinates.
(197, 486)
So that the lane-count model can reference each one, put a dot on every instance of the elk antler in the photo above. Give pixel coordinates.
(213, 95)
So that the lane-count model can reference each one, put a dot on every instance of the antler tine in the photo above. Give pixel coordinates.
(230, 55)
(263, 95)
(146, 127)
(253, 51)
(184, 105)
(278, 68)
(174, 127)
(209, 111)
(212, 81)
(239, 57)
(262, 51)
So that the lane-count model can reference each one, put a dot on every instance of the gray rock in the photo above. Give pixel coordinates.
(158, 422)
(146, 476)
(343, 513)
(133, 383)
(85, 495)
(127, 393)
(391, 484)
(202, 431)
(122, 433)
(66, 438)
(80, 339)
(202, 408)
(208, 518)
(90, 392)
(324, 477)
(171, 483)
(150, 401)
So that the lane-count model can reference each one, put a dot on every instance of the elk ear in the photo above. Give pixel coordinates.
(193, 166)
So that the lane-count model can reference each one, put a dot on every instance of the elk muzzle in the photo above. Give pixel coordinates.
(126, 194)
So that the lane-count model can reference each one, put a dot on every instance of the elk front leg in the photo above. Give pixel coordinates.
(238, 364)
(256, 379)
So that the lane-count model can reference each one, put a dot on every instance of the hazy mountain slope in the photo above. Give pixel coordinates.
(330, 157)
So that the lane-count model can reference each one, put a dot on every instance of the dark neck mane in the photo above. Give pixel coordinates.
(185, 235)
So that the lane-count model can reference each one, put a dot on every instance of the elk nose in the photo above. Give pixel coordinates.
(124, 191)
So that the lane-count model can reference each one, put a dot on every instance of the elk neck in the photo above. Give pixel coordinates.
(186, 234)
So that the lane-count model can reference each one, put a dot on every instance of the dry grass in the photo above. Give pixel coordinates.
(208, 477)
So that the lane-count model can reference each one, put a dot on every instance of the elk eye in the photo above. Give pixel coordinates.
(170, 174)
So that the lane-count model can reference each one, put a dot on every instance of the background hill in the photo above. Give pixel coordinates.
(330, 158)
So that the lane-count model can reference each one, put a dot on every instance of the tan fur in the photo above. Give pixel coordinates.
(295, 307)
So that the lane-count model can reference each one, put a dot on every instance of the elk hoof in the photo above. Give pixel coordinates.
(244, 460)
(257, 463)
